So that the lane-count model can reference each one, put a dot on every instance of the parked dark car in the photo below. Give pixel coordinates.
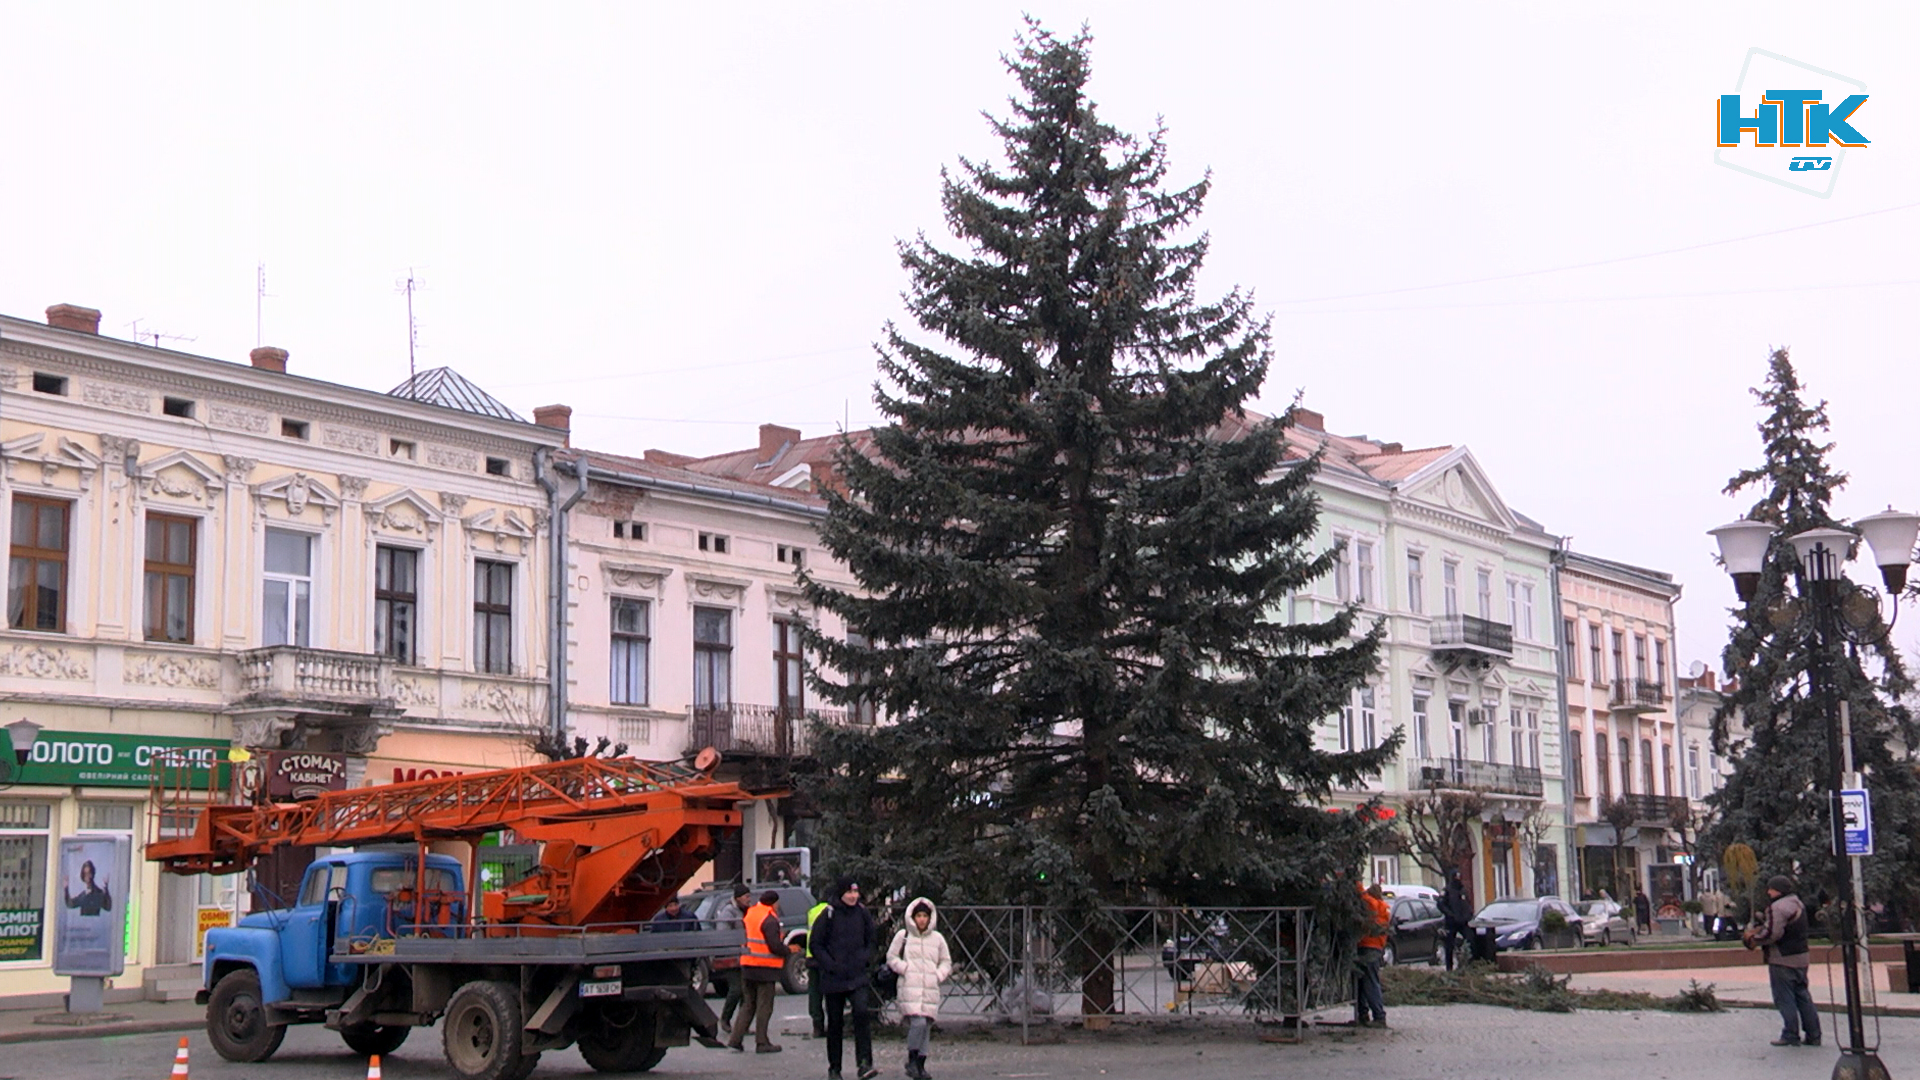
(715, 909)
(1414, 936)
(1516, 921)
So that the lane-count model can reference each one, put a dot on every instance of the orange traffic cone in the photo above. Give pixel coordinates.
(373, 1067)
(180, 1060)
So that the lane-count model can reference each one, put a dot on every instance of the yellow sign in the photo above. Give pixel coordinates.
(209, 917)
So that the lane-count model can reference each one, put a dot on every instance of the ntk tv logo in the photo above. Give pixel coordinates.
(1791, 118)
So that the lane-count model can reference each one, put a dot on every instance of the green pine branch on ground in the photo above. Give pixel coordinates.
(1074, 546)
(1776, 799)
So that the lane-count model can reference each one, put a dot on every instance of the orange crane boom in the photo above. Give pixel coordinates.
(618, 836)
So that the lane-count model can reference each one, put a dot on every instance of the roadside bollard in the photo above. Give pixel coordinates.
(180, 1060)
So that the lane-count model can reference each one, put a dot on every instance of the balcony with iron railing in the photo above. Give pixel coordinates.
(1458, 774)
(1637, 696)
(1471, 635)
(767, 731)
(1656, 810)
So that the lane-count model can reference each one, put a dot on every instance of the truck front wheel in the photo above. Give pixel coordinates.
(481, 1033)
(620, 1039)
(369, 1039)
(237, 1019)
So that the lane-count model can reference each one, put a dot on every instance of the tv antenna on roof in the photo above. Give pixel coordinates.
(410, 286)
(141, 337)
(260, 295)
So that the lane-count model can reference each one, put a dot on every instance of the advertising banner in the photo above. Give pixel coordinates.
(208, 918)
(90, 920)
(99, 759)
(20, 933)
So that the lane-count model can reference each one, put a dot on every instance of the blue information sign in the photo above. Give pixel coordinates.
(1856, 821)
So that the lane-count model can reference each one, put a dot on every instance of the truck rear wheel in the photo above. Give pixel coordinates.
(794, 977)
(237, 1019)
(482, 1033)
(369, 1039)
(620, 1039)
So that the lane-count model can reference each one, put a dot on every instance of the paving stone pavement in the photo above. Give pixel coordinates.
(1456, 1041)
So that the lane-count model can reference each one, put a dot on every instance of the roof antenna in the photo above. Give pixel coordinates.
(413, 328)
(140, 336)
(259, 304)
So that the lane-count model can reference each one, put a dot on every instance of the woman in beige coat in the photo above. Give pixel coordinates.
(919, 956)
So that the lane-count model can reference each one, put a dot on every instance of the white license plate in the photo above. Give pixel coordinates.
(610, 988)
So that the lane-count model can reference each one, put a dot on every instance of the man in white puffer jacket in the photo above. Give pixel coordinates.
(919, 956)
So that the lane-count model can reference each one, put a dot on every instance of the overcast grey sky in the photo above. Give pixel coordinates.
(681, 220)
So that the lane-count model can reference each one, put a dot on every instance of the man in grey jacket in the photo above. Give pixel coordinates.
(1783, 935)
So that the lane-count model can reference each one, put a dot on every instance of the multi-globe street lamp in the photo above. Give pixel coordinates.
(1841, 611)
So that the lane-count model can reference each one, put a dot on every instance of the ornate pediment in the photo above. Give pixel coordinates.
(180, 475)
(786, 598)
(66, 454)
(502, 525)
(634, 578)
(298, 491)
(708, 589)
(404, 513)
(1455, 485)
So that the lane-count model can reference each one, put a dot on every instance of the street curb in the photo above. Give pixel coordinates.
(51, 1033)
(1836, 1009)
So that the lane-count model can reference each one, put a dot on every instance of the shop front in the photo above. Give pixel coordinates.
(408, 755)
(93, 784)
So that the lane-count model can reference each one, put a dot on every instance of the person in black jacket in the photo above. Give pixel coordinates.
(843, 942)
(1457, 911)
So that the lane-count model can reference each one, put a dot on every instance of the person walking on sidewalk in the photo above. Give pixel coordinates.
(763, 957)
(1782, 935)
(1369, 1001)
(919, 956)
(843, 945)
(727, 969)
(1458, 912)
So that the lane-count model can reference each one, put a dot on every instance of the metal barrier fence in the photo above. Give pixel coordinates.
(1032, 964)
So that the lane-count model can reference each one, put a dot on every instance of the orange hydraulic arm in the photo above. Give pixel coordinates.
(618, 835)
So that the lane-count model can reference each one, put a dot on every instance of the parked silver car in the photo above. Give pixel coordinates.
(1603, 922)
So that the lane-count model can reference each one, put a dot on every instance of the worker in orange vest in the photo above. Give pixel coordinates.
(1370, 1005)
(763, 957)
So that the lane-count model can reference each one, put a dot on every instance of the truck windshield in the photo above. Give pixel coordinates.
(389, 879)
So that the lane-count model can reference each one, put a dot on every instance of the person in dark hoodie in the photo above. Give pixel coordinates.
(1782, 934)
(1458, 913)
(843, 940)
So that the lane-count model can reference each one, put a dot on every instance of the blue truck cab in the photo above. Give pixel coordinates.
(277, 967)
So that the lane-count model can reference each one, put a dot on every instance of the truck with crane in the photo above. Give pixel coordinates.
(396, 935)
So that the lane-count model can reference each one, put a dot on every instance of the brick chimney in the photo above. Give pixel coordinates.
(558, 417)
(1308, 419)
(73, 317)
(773, 439)
(268, 358)
(1391, 448)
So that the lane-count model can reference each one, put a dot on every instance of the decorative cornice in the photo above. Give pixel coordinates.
(634, 577)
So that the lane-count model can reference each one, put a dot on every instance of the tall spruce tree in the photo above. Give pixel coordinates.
(1776, 800)
(1073, 547)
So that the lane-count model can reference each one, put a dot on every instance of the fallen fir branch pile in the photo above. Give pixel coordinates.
(1536, 990)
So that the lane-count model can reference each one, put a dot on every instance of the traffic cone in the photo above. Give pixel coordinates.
(373, 1067)
(180, 1060)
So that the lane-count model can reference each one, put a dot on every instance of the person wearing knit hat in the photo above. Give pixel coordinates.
(843, 941)
(1783, 937)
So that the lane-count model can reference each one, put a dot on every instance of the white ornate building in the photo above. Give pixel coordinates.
(208, 554)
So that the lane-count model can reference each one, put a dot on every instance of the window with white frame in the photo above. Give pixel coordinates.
(1422, 736)
(1533, 737)
(1369, 720)
(631, 641)
(1342, 569)
(287, 608)
(1416, 582)
(1523, 625)
(1489, 733)
(1346, 726)
(1457, 729)
(1485, 583)
(1450, 587)
(1363, 571)
(1693, 770)
(1516, 739)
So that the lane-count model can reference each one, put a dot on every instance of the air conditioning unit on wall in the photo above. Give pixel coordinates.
(1476, 716)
